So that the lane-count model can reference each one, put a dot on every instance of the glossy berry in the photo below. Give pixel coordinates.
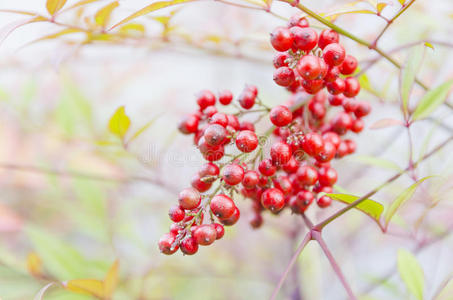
(284, 76)
(246, 125)
(215, 134)
(222, 206)
(225, 97)
(283, 183)
(189, 124)
(328, 36)
(267, 168)
(327, 176)
(352, 87)
(334, 54)
(363, 109)
(357, 125)
(327, 153)
(350, 105)
(210, 111)
(324, 201)
(219, 118)
(205, 98)
(189, 198)
(304, 199)
(250, 179)
(336, 100)
(291, 166)
(205, 234)
(220, 231)
(176, 213)
(233, 219)
(308, 67)
(247, 99)
(332, 137)
(312, 86)
(349, 65)
(307, 175)
(297, 20)
(232, 174)
(280, 116)
(280, 153)
(246, 141)
(312, 143)
(208, 169)
(199, 184)
(281, 39)
(332, 74)
(281, 60)
(166, 244)
(336, 87)
(304, 39)
(341, 123)
(189, 246)
(273, 199)
(233, 122)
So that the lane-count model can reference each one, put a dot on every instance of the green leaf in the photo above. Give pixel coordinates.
(53, 6)
(408, 74)
(400, 200)
(432, 99)
(378, 162)
(119, 123)
(370, 207)
(150, 8)
(411, 273)
(102, 17)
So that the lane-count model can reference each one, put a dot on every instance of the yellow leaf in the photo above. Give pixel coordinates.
(34, 264)
(56, 35)
(80, 3)
(429, 45)
(335, 15)
(111, 280)
(119, 123)
(53, 6)
(103, 15)
(132, 27)
(381, 6)
(91, 287)
(150, 8)
(402, 2)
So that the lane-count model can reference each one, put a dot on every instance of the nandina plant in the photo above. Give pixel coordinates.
(280, 157)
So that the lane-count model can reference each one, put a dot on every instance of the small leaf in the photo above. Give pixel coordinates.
(381, 6)
(91, 287)
(333, 16)
(34, 264)
(150, 8)
(384, 123)
(402, 2)
(432, 99)
(131, 27)
(429, 45)
(370, 207)
(119, 123)
(408, 74)
(53, 6)
(411, 273)
(400, 200)
(40, 294)
(111, 280)
(102, 17)
(378, 162)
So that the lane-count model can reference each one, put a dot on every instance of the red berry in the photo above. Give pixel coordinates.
(210, 111)
(328, 36)
(331, 137)
(246, 141)
(327, 153)
(313, 86)
(307, 175)
(336, 100)
(283, 184)
(176, 213)
(252, 88)
(246, 125)
(220, 231)
(280, 153)
(214, 154)
(219, 118)
(247, 99)
(357, 125)
(334, 54)
(341, 123)
(175, 228)
(250, 179)
(349, 65)
(324, 201)
(352, 87)
(304, 199)
(205, 234)
(200, 185)
(342, 150)
(332, 74)
(327, 176)
(284, 76)
(309, 67)
(205, 98)
(267, 168)
(291, 166)
(232, 174)
(189, 124)
(317, 109)
(297, 20)
(225, 97)
(363, 109)
(189, 246)
(304, 38)
(222, 206)
(280, 116)
(233, 122)
(281, 60)
(312, 143)
(256, 221)
(208, 169)
(273, 199)
(281, 39)
(351, 146)
(166, 244)
(336, 87)
(233, 219)
(215, 135)
(189, 198)
(350, 105)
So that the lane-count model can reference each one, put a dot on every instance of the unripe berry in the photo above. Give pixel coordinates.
(284, 76)
(280, 116)
(232, 174)
(222, 206)
(189, 198)
(176, 213)
(281, 39)
(273, 199)
(246, 141)
(166, 244)
(328, 36)
(205, 234)
(334, 54)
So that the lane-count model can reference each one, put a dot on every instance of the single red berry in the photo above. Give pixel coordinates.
(312, 86)
(220, 231)
(349, 65)
(324, 201)
(334, 54)
(350, 105)
(317, 109)
(341, 123)
(309, 67)
(200, 185)
(225, 97)
(246, 125)
(189, 198)
(175, 228)
(166, 244)
(284, 76)
(342, 150)
(307, 175)
(332, 137)
(215, 135)
(252, 88)
(233, 219)
(304, 39)
(208, 169)
(280, 115)
(263, 181)
(281, 60)
(322, 189)
(327, 153)
(219, 118)
(273, 199)
(281, 39)
(324, 69)
(332, 74)
(176, 213)
(214, 154)
(256, 221)
(283, 183)
(327, 176)
(205, 98)
(336, 100)
(363, 109)
(247, 99)
(250, 179)
(352, 87)
(357, 125)
(280, 153)
(304, 199)
(328, 36)
(336, 87)
(246, 141)
(189, 246)
(210, 111)
(351, 146)
(205, 234)
(222, 206)
(291, 166)
(267, 168)
(233, 122)
(297, 20)
(189, 124)
(312, 143)
(232, 174)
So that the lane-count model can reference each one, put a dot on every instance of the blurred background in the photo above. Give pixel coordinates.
(73, 199)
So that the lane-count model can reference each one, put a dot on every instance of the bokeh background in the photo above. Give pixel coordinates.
(73, 199)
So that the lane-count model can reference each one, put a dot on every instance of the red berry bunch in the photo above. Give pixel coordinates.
(296, 170)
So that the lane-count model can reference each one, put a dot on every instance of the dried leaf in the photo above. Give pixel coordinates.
(53, 6)
(102, 17)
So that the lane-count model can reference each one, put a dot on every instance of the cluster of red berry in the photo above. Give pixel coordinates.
(307, 138)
